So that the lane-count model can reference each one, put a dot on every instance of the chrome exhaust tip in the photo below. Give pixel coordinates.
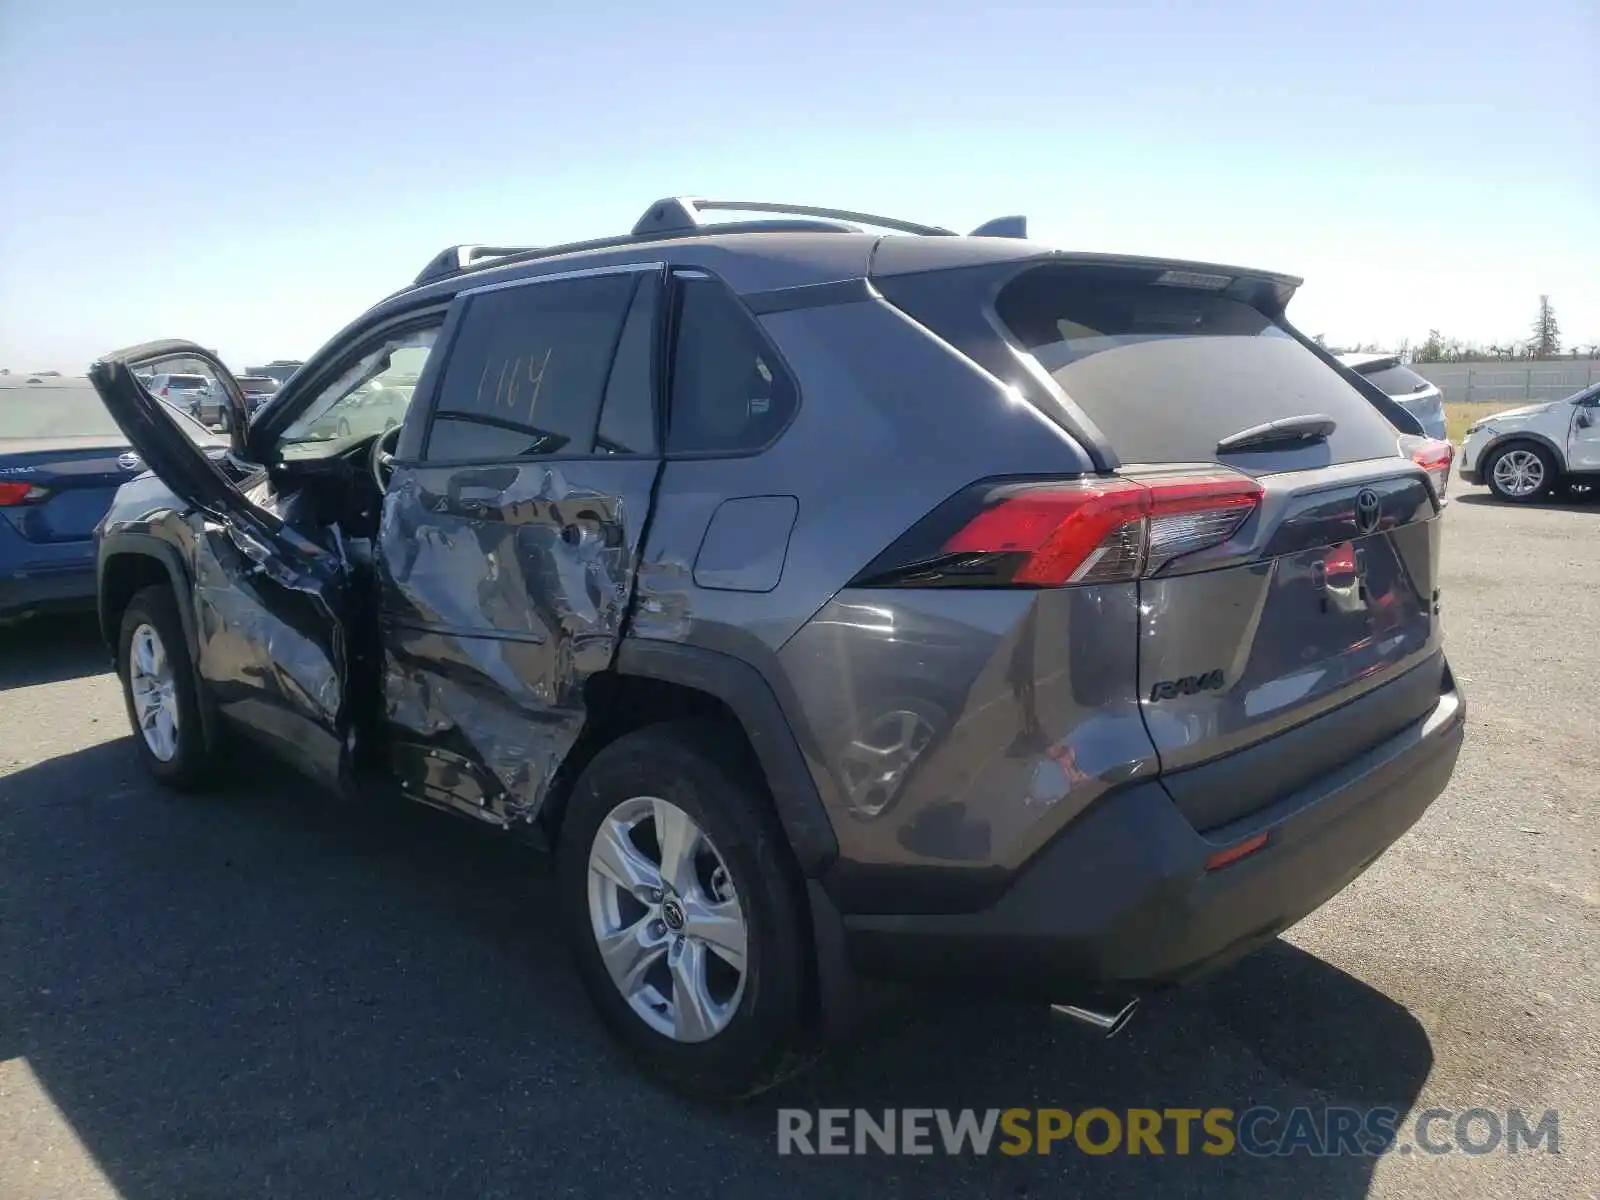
(1109, 1021)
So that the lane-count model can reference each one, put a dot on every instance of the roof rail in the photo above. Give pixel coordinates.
(681, 214)
(452, 260)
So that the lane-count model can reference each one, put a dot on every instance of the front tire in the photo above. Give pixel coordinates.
(1522, 473)
(685, 912)
(158, 688)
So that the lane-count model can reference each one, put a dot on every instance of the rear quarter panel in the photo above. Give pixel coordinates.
(891, 422)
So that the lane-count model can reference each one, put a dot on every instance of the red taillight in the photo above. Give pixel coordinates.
(1103, 530)
(20, 493)
(166, 392)
(1432, 456)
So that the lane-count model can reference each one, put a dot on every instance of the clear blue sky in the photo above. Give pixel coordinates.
(254, 175)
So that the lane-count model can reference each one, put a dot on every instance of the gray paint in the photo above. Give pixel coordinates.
(746, 543)
(949, 734)
(503, 591)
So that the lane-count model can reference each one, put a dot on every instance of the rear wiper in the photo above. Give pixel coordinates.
(1310, 427)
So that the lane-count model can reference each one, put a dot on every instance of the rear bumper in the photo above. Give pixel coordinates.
(47, 589)
(1122, 900)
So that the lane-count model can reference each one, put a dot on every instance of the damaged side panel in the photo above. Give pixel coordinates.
(504, 589)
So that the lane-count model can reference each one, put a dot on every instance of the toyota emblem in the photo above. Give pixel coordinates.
(1368, 510)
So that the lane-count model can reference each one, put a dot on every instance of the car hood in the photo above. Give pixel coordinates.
(1527, 410)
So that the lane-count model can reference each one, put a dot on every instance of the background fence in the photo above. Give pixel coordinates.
(1527, 381)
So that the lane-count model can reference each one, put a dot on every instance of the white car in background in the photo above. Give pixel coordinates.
(1524, 453)
(1404, 386)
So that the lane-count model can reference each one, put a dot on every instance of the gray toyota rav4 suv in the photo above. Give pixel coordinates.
(842, 600)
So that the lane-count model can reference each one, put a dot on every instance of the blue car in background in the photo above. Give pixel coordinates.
(62, 458)
(1405, 387)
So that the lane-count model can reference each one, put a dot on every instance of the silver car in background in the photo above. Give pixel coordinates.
(1404, 386)
(191, 394)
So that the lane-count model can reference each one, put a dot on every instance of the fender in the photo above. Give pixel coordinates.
(751, 698)
(1522, 435)
(131, 544)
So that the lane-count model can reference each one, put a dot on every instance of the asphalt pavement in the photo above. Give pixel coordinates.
(263, 993)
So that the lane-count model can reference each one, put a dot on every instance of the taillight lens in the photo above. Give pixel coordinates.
(21, 493)
(1433, 456)
(1097, 530)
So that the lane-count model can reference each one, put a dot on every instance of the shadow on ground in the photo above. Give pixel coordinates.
(50, 650)
(262, 993)
(1587, 500)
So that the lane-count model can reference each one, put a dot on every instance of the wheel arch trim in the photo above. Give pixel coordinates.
(1505, 440)
(753, 702)
(129, 544)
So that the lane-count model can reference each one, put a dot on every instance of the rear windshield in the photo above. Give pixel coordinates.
(187, 381)
(1397, 381)
(45, 412)
(265, 386)
(74, 410)
(1166, 373)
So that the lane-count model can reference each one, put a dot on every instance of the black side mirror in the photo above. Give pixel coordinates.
(1585, 418)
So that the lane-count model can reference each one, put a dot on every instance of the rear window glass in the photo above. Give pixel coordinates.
(1166, 373)
(259, 387)
(1397, 381)
(187, 381)
(729, 393)
(42, 412)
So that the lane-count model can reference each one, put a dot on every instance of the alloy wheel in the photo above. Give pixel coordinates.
(667, 920)
(154, 691)
(1518, 473)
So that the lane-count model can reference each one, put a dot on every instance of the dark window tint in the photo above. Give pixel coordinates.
(1166, 372)
(526, 372)
(628, 415)
(1397, 381)
(187, 381)
(729, 392)
(260, 386)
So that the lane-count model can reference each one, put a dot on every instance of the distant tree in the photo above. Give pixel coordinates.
(1403, 350)
(1546, 340)
(1432, 349)
(1321, 339)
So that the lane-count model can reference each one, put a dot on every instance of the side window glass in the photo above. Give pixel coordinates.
(369, 396)
(628, 414)
(729, 392)
(527, 371)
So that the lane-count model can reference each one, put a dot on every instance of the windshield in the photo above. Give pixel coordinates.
(72, 410)
(370, 397)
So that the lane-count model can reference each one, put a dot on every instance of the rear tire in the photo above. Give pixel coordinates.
(158, 681)
(763, 1031)
(1522, 473)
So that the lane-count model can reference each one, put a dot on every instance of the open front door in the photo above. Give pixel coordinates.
(268, 602)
